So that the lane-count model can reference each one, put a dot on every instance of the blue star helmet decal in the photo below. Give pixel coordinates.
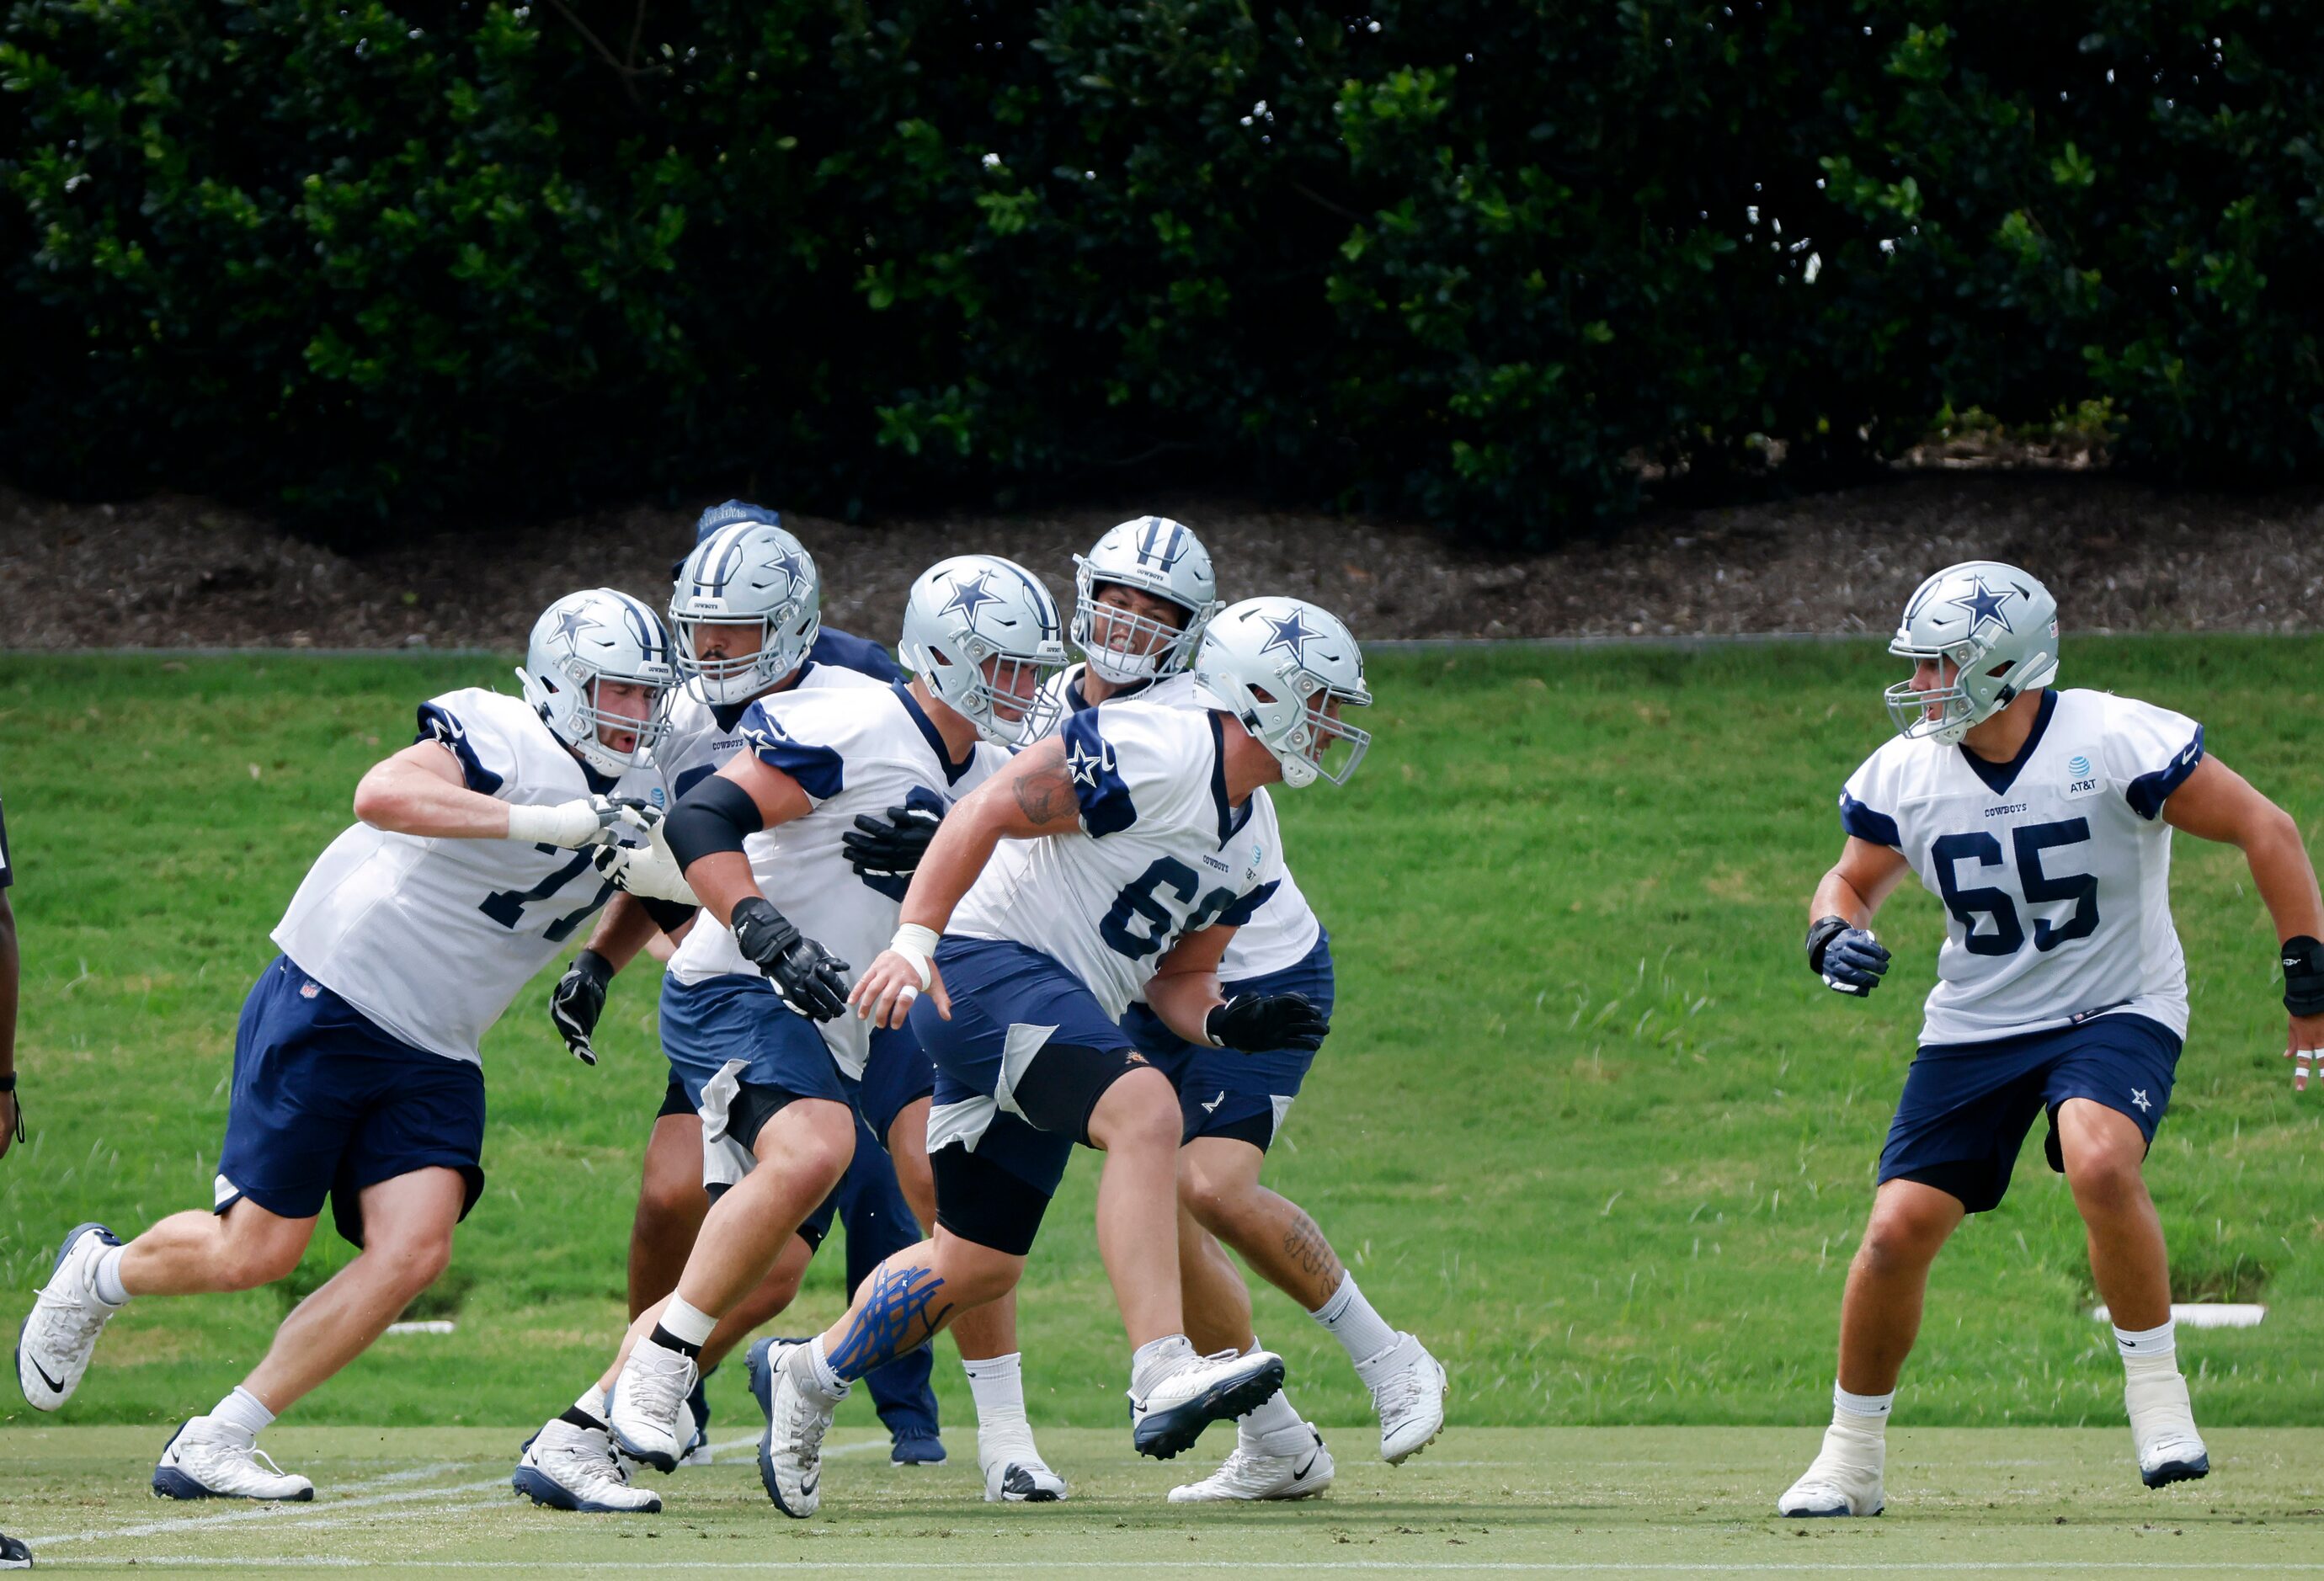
(970, 594)
(1290, 632)
(791, 565)
(569, 626)
(1984, 604)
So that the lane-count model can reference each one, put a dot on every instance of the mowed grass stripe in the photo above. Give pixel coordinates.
(1584, 1121)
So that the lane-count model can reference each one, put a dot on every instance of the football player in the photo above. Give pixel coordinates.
(2042, 820)
(1111, 860)
(356, 1071)
(745, 613)
(1144, 594)
(751, 1012)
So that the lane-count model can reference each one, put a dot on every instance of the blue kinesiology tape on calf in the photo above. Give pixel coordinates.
(899, 1299)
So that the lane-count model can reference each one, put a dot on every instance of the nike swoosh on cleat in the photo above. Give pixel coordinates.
(51, 1382)
(1300, 1475)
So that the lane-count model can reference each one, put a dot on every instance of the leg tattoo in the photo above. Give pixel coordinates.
(1304, 1245)
(899, 1313)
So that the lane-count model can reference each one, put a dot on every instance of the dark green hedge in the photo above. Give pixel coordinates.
(1481, 260)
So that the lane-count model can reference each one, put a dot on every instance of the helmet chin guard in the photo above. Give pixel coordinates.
(1996, 625)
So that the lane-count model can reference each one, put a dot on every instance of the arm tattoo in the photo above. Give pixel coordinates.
(1304, 1245)
(899, 1312)
(1044, 790)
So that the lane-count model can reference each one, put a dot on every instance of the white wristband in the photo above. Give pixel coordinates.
(918, 945)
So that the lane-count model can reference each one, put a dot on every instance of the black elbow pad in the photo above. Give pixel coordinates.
(712, 817)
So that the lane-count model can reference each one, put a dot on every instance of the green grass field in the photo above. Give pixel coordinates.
(1584, 1121)
(1653, 1501)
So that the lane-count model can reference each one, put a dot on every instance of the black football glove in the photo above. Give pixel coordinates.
(1258, 1023)
(811, 979)
(885, 854)
(579, 999)
(1850, 960)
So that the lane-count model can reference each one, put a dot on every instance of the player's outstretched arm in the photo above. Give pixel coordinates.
(1031, 798)
(420, 791)
(2216, 802)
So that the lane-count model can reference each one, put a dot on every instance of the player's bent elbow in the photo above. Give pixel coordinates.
(377, 801)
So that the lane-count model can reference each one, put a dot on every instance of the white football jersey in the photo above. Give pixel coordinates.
(855, 747)
(2054, 869)
(1284, 930)
(1161, 853)
(432, 938)
(701, 738)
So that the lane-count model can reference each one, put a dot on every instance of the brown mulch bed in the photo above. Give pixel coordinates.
(173, 572)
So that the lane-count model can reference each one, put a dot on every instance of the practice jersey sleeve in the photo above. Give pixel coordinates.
(1867, 804)
(2150, 751)
(475, 732)
(1127, 769)
(805, 734)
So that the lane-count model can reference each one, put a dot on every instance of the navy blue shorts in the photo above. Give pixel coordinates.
(1009, 1003)
(327, 1102)
(741, 1055)
(1967, 1107)
(1222, 1092)
(897, 1074)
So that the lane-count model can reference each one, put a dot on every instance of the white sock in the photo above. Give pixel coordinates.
(1349, 1319)
(104, 1279)
(998, 1383)
(2146, 1351)
(1157, 1359)
(691, 1324)
(1275, 1413)
(241, 1414)
(821, 1374)
(1865, 1413)
(592, 1404)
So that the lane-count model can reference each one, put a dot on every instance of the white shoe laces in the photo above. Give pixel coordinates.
(806, 1425)
(592, 1455)
(1402, 1392)
(657, 1389)
(72, 1321)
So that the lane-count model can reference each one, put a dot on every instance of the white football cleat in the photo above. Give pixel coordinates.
(646, 1407)
(59, 1333)
(1844, 1478)
(1256, 1471)
(1202, 1390)
(1014, 1471)
(1408, 1388)
(204, 1462)
(790, 1451)
(568, 1467)
(2162, 1427)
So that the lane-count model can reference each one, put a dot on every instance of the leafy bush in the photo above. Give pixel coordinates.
(1480, 260)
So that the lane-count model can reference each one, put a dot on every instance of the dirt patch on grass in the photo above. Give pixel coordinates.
(173, 572)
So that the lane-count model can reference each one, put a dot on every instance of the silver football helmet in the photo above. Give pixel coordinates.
(982, 633)
(1999, 628)
(1279, 666)
(587, 638)
(746, 572)
(1156, 556)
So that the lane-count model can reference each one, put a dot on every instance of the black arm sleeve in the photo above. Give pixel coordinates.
(712, 817)
(669, 915)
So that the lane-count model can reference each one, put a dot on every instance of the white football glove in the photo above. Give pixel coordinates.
(582, 821)
(647, 870)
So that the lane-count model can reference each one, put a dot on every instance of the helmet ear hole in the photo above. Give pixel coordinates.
(1262, 695)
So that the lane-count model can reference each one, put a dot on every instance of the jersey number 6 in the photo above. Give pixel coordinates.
(1142, 897)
